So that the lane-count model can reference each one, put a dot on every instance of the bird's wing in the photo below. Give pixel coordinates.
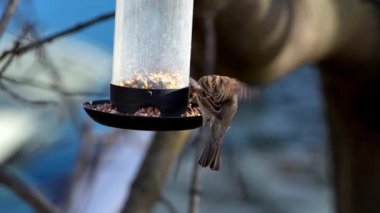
(216, 90)
(207, 95)
(246, 92)
(231, 86)
(208, 101)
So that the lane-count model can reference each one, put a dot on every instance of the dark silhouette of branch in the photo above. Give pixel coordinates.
(209, 64)
(6, 64)
(51, 87)
(16, 44)
(7, 15)
(195, 185)
(78, 27)
(29, 194)
(239, 176)
(18, 49)
(24, 100)
(169, 205)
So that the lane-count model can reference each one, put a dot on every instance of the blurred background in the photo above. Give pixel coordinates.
(275, 157)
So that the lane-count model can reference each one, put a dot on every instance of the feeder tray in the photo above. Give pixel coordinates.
(125, 121)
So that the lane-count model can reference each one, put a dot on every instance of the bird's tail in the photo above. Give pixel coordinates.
(211, 154)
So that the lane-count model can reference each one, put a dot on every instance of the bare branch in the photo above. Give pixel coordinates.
(51, 87)
(8, 13)
(169, 205)
(29, 194)
(209, 64)
(238, 175)
(11, 57)
(195, 187)
(70, 30)
(6, 64)
(21, 99)
(18, 49)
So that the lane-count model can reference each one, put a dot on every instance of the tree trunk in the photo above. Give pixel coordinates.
(353, 107)
(145, 191)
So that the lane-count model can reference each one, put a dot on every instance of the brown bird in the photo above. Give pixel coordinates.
(217, 97)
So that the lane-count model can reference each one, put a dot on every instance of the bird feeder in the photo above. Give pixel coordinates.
(151, 65)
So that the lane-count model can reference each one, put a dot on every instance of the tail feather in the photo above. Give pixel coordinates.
(204, 160)
(211, 155)
(215, 161)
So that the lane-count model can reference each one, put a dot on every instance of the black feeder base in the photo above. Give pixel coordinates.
(172, 103)
(123, 121)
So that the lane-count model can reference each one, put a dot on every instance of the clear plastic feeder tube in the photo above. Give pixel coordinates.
(152, 44)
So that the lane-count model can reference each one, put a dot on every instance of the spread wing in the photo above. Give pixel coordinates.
(216, 90)
(246, 92)
(210, 95)
(222, 88)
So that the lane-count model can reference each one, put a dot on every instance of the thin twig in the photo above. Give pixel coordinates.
(83, 162)
(181, 157)
(240, 179)
(11, 57)
(208, 69)
(70, 30)
(85, 154)
(21, 99)
(29, 194)
(50, 87)
(169, 205)
(7, 15)
(6, 64)
(195, 187)
(55, 74)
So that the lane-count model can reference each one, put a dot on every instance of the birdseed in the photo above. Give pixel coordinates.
(153, 80)
(148, 111)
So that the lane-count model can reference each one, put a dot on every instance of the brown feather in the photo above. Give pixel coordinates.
(218, 89)
(218, 99)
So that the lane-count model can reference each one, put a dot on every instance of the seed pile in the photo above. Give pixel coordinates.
(107, 107)
(148, 111)
(191, 111)
(153, 80)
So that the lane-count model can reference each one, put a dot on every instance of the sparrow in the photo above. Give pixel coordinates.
(217, 98)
